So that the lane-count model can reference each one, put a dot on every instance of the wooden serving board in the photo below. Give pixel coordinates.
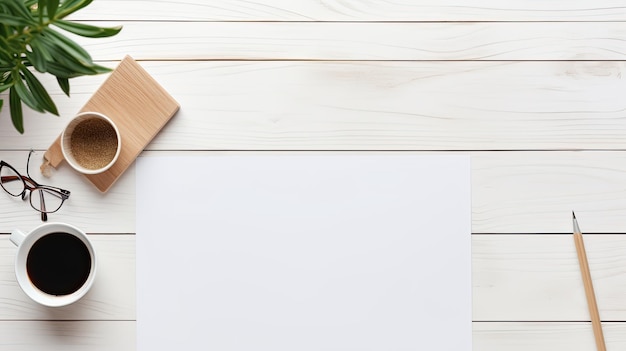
(137, 104)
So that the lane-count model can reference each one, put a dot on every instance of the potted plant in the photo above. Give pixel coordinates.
(30, 40)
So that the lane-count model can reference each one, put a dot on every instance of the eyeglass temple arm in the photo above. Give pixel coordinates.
(9, 178)
(44, 215)
(12, 178)
(42, 202)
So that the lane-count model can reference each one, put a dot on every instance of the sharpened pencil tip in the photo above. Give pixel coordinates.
(575, 222)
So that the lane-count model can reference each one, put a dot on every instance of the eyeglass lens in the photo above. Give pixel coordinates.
(11, 181)
(45, 200)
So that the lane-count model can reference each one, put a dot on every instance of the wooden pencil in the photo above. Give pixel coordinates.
(591, 296)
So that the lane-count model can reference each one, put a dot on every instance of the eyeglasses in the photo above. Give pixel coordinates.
(43, 198)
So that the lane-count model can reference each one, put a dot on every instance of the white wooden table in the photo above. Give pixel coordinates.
(532, 90)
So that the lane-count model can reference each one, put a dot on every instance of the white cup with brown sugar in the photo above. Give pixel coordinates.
(91, 143)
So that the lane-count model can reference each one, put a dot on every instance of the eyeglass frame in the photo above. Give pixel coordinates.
(33, 185)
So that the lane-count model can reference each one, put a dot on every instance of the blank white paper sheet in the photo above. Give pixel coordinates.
(303, 252)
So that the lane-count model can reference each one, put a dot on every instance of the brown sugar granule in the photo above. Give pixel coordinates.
(93, 143)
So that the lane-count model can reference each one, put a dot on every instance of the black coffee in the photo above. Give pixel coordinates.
(58, 263)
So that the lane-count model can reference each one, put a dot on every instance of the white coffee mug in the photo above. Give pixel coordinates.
(55, 264)
(91, 149)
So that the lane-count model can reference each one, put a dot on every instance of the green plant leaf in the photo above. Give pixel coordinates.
(71, 6)
(68, 64)
(53, 6)
(24, 94)
(38, 91)
(15, 46)
(36, 59)
(66, 44)
(100, 69)
(5, 86)
(15, 105)
(62, 59)
(65, 61)
(19, 9)
(60, 71)
(13, 20)
(87, 30)
(42, 50)
(64, 83)
(41, 5)
(28, 39)
(5, 55)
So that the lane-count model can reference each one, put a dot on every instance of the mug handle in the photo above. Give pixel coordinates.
(17, 237)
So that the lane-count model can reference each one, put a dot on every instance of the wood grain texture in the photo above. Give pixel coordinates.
(532, 90)
(535, 192)
(112, 296)
(256, 105)
(537, 336)
(120, 335)
(362, 41)
(67, 335)
(537, 278)
(354, 10)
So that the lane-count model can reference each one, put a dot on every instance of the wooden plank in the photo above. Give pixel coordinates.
(535, 192)
(520, 336)
(537, 277)
(120, 336)
(354, 10)
(112, 297)
(362, 41)
(67, 335)
(559, 105)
